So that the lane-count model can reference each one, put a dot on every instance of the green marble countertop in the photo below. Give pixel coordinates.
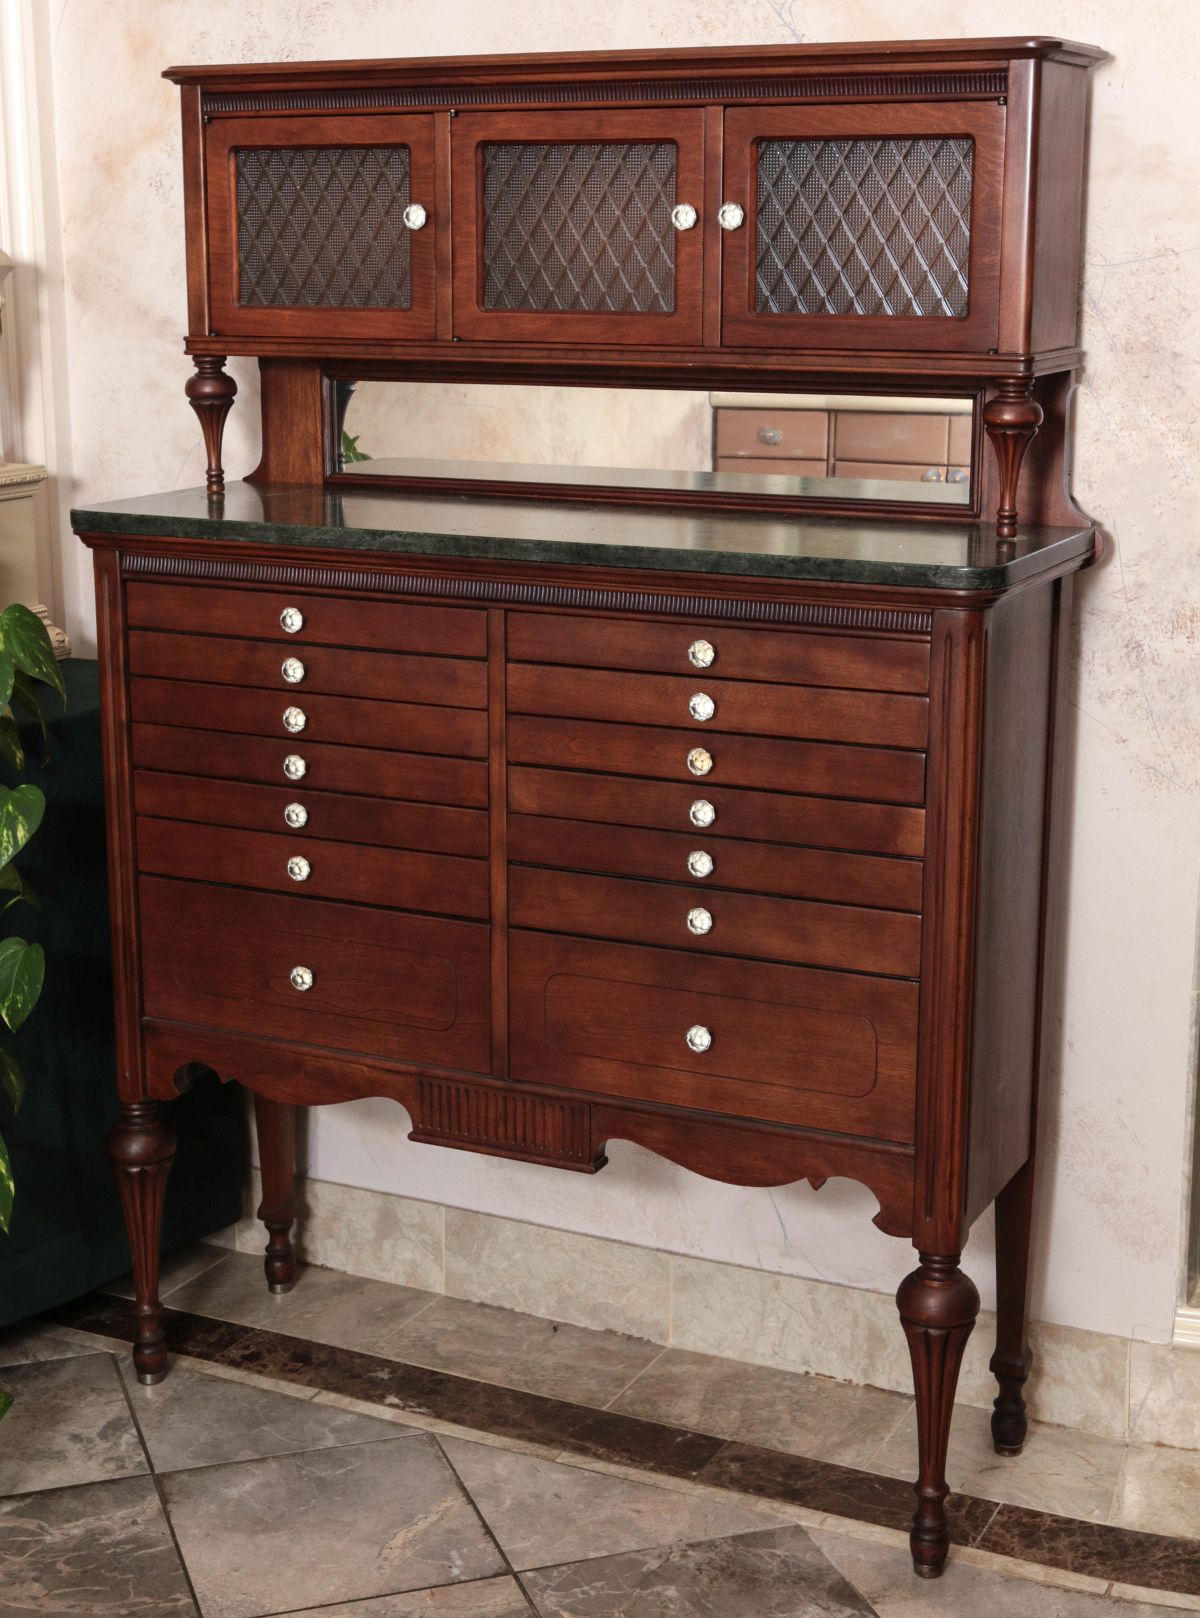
(920, 555)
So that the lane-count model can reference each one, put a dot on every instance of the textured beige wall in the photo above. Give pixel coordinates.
(1112, 1195)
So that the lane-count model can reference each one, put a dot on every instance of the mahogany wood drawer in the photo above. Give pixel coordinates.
(713, 865)
(778, 468)
(417, 777)
(796, 657)
(336, 816)
(325, 620)
(794, 434)
(850, 938)
(822, 714)
(400, 879)
(823, 1050)
(443, 681)
(959, 451)
(383, 984)
(887, 435)
(409, 727)
(715, 813)
(891, 471)
(879, 775)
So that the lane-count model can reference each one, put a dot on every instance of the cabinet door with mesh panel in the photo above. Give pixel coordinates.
(578, 227)
(863, 226)
(322, 227)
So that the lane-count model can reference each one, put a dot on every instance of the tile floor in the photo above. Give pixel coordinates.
(298, 1460)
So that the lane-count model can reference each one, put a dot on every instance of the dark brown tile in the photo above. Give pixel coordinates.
(1125, 1555)
(195, 1335)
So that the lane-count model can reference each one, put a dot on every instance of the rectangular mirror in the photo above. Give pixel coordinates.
(790, 446)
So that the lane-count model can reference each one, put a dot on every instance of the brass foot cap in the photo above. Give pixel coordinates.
(924, 1571)
(280, 1287)
(150, 1379)
(1008, 1449)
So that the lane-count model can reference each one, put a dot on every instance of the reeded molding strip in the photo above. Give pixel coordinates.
(839, 87)
(541, 1127)
(910, 621)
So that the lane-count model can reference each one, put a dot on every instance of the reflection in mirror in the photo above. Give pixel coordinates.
(794, 446)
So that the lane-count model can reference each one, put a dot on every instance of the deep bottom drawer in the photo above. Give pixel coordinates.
(383, 984)
(823, 1050)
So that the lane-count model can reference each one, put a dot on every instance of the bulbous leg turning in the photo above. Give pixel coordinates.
(275, 1122)
(141, 1149)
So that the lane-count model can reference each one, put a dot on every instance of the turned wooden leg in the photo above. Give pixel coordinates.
(141, 1148)
(1012, 1359)
(211, 392)
(1011, 420)
(276, 1125)
(938, 1305)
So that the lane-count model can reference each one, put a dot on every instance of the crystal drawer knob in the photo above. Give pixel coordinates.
(702, 706)
(298, 868)
(295, 815)
(294, 719)
(699, 921)
(293, 670)
(769, 435)
(701, 654)
(683, 216)
(292, 619)
(702, 813)
(414, 216)
(699, 761)
(698, 1038)
(699, 863)
(294, 767)
(300, 978)
(730, 215)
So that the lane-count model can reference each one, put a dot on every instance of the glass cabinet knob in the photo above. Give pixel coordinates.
(932, 475)
(414, 216)
(292, 619)
(293, 670)
(301, 978)
(683, 216)
(702, 813)
(295, 815)
(730, 215)
(700, 863)
(702, 706)
(294, 767)
(698, 1038)
(699, 761)
(699, 921)
(294, 719)
(769, 435)
(702, 654)
(298, 868)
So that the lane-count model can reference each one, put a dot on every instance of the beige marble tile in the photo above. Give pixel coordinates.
(805, 1415)
(371, 1233)
(21, 1345)
(69, 1424)
(483, 1598)
(1159, 1491)
(704, 1491)
(1154, 1598)
(609, 1286)
(174, 1272)
(1069, 1473)
(1164, 1395)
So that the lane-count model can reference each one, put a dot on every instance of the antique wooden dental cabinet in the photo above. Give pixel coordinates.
(707, 810)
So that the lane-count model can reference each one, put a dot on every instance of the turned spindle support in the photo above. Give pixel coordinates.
(1011, 419)
(275, 1122)
(211, 391)
(141, 1149)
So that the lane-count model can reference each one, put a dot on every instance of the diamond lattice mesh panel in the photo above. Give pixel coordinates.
(321, 227)
(863, 227)
(579, 227)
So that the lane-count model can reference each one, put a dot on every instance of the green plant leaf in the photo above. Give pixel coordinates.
(8, 671)
(11, 881)
(24, 638)
(7, 1188)
(25, 696)
(12, 1080)
(11, 750)
(21, 812)
(22, 970)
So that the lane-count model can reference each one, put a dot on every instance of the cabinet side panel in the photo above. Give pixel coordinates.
(1058, 221)
(1017, 700)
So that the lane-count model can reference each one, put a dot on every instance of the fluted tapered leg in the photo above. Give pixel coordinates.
(276, 1125)
(1012, 1359)
(938, 1305)
(141, 1149)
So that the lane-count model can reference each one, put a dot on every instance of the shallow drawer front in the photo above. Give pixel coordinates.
(336, 816)
(824, 1050)
(794, 434)
(844, 936)
(711, 864)
(876, 774)
(348, 720)
(323, 620)
(445, 681)
(317, 765)
(777, 468)
(870, 435)
(385, 985)
(797, 657)
(717, 812)
(960, 439)
(381, 876)
(892, 472)
(731, 705)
